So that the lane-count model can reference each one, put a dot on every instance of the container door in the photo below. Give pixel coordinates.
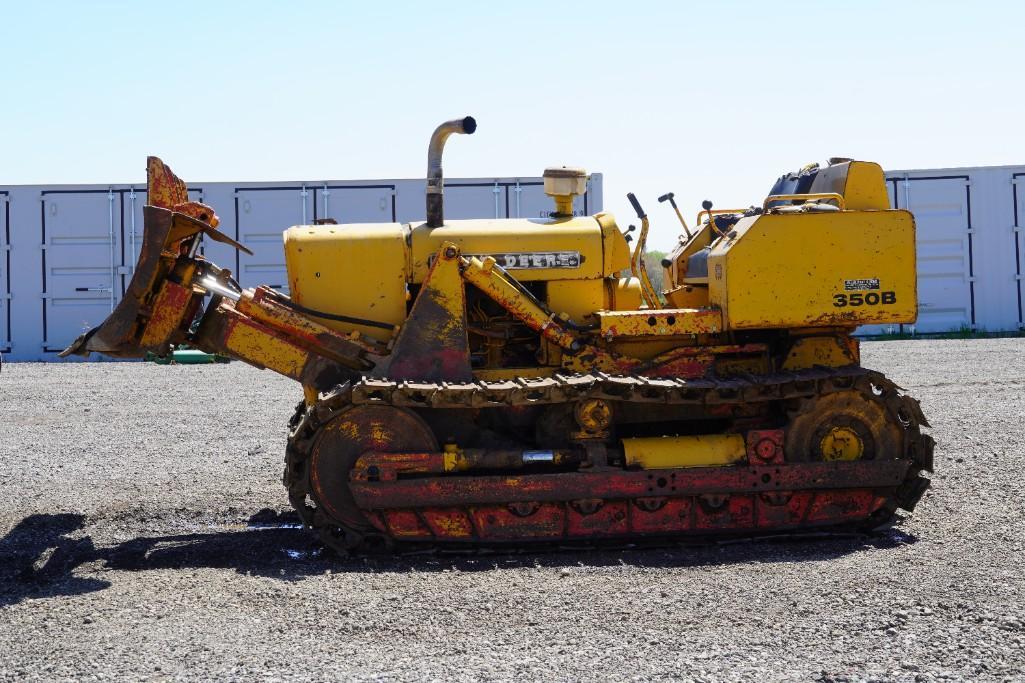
(81, 256)
(262, 215)
(132, 203)
(1019, 241)
(528, 200)
(473, 200)
(944, 240)
(5, 272)
(355, 204)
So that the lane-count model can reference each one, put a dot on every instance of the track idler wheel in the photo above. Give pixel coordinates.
(846, 425)
(340, 442)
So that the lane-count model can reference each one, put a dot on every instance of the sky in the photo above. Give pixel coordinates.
(710, 100)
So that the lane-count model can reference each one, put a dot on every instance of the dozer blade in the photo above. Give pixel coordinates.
(157, 304)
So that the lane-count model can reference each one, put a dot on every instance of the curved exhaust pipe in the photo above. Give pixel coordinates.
(435, 180)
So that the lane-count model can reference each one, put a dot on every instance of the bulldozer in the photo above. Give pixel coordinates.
(520, 382)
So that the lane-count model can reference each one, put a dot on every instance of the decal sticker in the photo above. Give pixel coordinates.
(861, 285)
(527, 260)
(867, 299)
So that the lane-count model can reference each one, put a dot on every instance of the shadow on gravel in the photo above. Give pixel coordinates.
(39, 556)
(37, 559)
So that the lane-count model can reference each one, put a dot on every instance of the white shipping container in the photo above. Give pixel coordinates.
(5, 272)
(67, 252)
(969, 245)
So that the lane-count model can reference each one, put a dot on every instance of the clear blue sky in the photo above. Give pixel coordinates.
(708, 99)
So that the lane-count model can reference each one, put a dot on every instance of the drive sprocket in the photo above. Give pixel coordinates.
(853, 424)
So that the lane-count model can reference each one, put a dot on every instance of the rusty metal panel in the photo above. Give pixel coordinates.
(717, 512)
(660, 323)
(132, 201)
(609, 519)
(830, 506)
(455, 491)
(449, 523)
(405, 524)
(510, 523)
(661, 515)
(782, 508)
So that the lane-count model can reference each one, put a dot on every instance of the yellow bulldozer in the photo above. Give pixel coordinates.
(506, 382)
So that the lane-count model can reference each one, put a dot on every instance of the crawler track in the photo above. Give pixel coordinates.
(803, 385)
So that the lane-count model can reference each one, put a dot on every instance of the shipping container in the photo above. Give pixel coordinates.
(970, 246)
(67, 253)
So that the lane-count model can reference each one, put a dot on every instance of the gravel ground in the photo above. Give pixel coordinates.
(130, 549)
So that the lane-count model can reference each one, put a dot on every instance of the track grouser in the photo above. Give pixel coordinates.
(511, 382)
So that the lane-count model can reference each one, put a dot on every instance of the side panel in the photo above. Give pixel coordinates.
(891, 328)
(354, 203)
(815, 270)
(1018, 185)
(579, 239)
(5, 272)
(352, 270)
(473, 200)
(261, 217)
(946, 273)
(498, 198)
(527, 199)
(81, 256)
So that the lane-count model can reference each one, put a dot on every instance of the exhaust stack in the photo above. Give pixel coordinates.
(435, 180)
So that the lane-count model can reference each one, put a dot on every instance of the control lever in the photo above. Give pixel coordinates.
(637, 266)
(669, 197)
(707, 206)
(636, 205)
